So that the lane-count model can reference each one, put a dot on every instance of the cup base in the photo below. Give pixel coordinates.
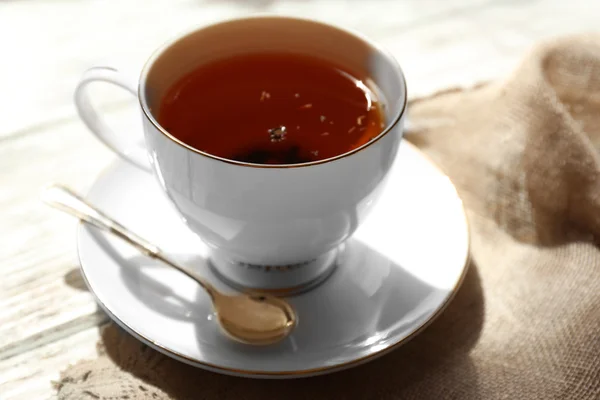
(284, 280)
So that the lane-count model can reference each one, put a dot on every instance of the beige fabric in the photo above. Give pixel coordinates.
(526, 323)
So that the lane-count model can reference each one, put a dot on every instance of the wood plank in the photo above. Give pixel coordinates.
(29, 375)
(38, 250)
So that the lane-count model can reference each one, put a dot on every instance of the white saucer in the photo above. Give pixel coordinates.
(397, 274)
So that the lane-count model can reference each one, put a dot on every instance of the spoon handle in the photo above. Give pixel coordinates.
(64, 199)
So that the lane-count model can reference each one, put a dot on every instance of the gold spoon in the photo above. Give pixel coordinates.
(251, 318)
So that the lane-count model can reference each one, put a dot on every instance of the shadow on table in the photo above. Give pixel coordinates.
(435, 364)
(75, 280)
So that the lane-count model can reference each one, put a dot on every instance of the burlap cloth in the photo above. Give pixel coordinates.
(523, 153)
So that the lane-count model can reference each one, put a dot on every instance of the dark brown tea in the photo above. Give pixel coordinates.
(272, 108)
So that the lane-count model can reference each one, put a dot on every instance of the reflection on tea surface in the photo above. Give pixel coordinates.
(272, 108)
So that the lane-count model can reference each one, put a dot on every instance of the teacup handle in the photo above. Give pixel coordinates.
(122, 144)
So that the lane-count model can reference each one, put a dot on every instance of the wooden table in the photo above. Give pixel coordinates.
(47, 317)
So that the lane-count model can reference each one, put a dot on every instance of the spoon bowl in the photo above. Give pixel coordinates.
(246, 318)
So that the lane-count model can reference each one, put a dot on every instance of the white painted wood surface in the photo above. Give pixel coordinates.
(47, 318)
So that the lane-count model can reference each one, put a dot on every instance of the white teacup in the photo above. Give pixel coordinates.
(275, 227)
